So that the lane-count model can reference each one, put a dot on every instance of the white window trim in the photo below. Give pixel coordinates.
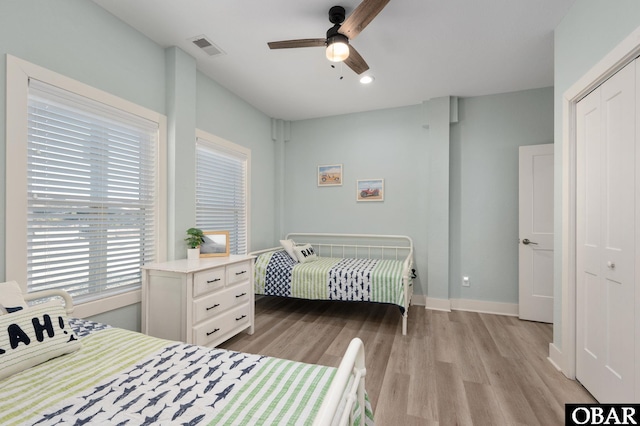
(231, 147)
(18, 74)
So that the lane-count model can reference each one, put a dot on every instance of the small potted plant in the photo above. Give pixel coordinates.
(195, 237)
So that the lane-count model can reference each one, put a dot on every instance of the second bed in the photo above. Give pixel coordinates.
(349, 267)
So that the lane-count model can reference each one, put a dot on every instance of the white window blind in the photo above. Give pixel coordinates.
(91, 173)
(221, 193)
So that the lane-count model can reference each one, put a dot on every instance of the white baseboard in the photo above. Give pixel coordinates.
(437, 304)
(482, 306)
(418, 299)
(555, 357)
(485, 307)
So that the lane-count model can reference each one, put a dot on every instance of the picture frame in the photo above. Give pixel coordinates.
(216, 244)
(330, 175)
(370, 190)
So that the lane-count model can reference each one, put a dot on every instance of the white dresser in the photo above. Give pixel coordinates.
(204, 301)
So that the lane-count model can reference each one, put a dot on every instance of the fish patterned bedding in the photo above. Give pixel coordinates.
(119, 377)
(329, 278)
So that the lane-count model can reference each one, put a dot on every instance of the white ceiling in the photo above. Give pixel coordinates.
(416, 49)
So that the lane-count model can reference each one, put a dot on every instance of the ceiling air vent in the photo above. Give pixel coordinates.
(206, 45)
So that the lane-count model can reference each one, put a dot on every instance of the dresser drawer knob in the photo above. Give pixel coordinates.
(213, 280)
(214, 306)
(243, 316)
(240, 295)
(215, 330)
(241, 272)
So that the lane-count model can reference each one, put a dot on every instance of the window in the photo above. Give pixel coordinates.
(91, 209)
(222, 189)
(90, 195)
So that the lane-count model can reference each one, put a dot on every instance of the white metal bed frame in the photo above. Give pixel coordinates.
(375, 246)
(345, 390)
(47, 294)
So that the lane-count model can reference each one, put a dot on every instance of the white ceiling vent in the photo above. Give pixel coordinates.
(206, 45)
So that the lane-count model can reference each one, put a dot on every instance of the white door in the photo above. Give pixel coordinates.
(536, 233)
(605, 239)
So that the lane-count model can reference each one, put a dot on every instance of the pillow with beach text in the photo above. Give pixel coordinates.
(34, 335)
(305, 253)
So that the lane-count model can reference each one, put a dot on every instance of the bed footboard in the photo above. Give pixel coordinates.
(346, 390)
(407, 281)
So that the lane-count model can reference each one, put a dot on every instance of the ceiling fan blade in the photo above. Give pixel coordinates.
(355, 61)
(361, 17)
(304, 42)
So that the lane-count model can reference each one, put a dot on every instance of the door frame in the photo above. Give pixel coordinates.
(620, 56)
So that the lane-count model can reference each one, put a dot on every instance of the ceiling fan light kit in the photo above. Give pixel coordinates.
(337, 44)
(337, 47)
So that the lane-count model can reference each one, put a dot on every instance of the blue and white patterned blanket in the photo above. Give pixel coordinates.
(120, 377)
(368, 280)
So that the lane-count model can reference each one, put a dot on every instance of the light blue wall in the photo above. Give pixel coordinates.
(224, 114)
(126, 317)
(181, 128)
(484, 188)
(437, 119)
(80, 40)
(393, 144)
(587, 33)
(388, 144)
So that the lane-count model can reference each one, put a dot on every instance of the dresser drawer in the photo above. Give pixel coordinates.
(212, 329)
(213, 304)
(206, 281)
(238, 272)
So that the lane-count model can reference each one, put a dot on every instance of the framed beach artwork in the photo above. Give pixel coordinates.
(370, 190)
(330, 175)
(216, 243)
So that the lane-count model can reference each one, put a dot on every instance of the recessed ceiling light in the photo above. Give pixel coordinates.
(367, 79)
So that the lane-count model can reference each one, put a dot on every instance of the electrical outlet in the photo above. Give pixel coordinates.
(465, 282)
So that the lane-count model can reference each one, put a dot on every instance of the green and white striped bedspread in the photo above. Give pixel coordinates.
(328, 278)
(120, 377)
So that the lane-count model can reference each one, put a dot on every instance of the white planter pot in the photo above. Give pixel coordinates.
(193, 253)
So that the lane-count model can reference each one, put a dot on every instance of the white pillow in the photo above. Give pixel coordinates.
(34, 335)
(11, 298)
(305, 253)
(288, 246)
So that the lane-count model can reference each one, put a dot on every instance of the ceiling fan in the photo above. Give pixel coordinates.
(337, 42)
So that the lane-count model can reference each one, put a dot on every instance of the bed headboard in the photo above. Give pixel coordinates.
(369, 246)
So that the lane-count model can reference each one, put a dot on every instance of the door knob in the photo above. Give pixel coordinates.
(526, 242)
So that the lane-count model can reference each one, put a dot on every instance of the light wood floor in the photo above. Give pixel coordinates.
(452, 368)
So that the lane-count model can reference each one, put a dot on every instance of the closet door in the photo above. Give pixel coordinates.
(605, 232)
